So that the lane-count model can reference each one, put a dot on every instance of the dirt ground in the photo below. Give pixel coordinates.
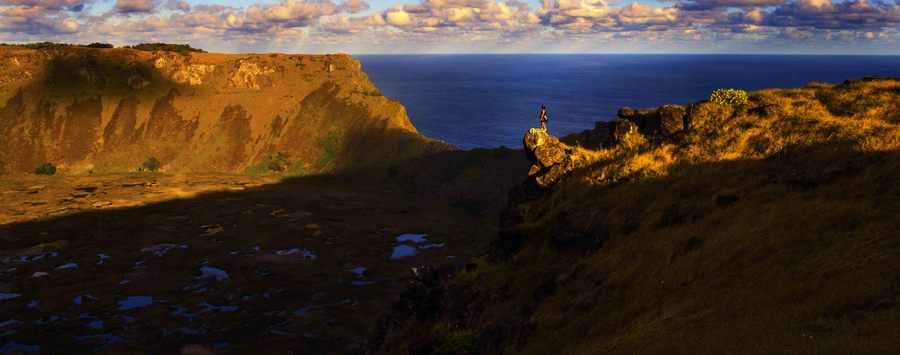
(232, 263)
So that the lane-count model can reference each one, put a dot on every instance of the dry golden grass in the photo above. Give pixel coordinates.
(757, 231)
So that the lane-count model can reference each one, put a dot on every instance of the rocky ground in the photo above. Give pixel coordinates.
(228, 263)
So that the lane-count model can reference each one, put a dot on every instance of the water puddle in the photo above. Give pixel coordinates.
(308, 311)
(252, 252)
(364, 282)
(429, 246)
(403, 251)
(308, 255)
(160, 250)
(14, 347)
(133, 302)
(124, 282)
(21, 259)
(81, 298)
(10, 322)
(67, 266)
(9, 296)
(33, 304)
(210, 272)
(359, 271)
(102, 257)
(410, 237)
(50, 320)
(406, 250)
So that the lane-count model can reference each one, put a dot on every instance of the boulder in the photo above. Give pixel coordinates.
(543, 149)
(625, 113)
(671, 119)
(620, 129)
(550, 159)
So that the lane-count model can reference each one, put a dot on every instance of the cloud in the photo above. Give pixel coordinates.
(478, 25)
(287, 14)
(718, 4)
(461, 16)
(134, 6)
(179, 5)
(824, 14)
(47, 4)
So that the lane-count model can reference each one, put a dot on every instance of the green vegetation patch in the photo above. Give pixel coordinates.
(278, 163)
(151, 164)
(330, 146)
(45, 169)
(166, 47)
(729, 97)
(451, 340)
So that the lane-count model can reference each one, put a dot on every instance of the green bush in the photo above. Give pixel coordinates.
(168, 47)
(45, 169)
(729, 97)
(451, 339)
(37, 45)
(98, 45)
(152, 164)
(277, 163)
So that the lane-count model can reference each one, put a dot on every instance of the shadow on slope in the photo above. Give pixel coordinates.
(794, 253)
(305, 264)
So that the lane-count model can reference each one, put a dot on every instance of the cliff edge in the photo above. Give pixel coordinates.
(768, 225)
(107, 110)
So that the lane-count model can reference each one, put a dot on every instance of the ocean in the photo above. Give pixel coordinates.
(490, 100)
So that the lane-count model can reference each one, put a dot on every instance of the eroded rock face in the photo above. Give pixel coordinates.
(108, 111)
(248, 73)
(550, 159)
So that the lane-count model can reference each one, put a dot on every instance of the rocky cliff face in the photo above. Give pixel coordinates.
(110, 109)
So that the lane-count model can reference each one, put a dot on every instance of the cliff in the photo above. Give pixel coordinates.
(761, 227)
(106, 110)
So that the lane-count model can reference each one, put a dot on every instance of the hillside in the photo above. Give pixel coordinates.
(108, 110)
(765, 227)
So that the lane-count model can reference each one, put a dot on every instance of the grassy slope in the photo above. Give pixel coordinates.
(751, 232)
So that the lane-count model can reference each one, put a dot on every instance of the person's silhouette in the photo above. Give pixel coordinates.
(543, 117)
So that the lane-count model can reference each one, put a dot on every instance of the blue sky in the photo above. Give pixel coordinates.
(468, 26)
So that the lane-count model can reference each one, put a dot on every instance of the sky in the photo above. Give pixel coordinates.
(467, 26)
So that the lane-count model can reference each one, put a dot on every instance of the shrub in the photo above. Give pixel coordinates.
(453, 340)
(45, 169)
(279, 162)
(729, 97)
(152, 164)
(98, 45)
(167, 47)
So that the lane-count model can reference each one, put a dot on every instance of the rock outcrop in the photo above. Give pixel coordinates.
(550, 159)
(108, 110)
(665, 121)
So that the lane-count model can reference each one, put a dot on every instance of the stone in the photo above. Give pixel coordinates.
(671, 119)
(551, 159)
(625, 113)
(620, 129)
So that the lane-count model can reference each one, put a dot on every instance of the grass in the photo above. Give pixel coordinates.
(765, 228)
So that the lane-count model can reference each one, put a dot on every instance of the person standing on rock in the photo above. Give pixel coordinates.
(544, 117)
